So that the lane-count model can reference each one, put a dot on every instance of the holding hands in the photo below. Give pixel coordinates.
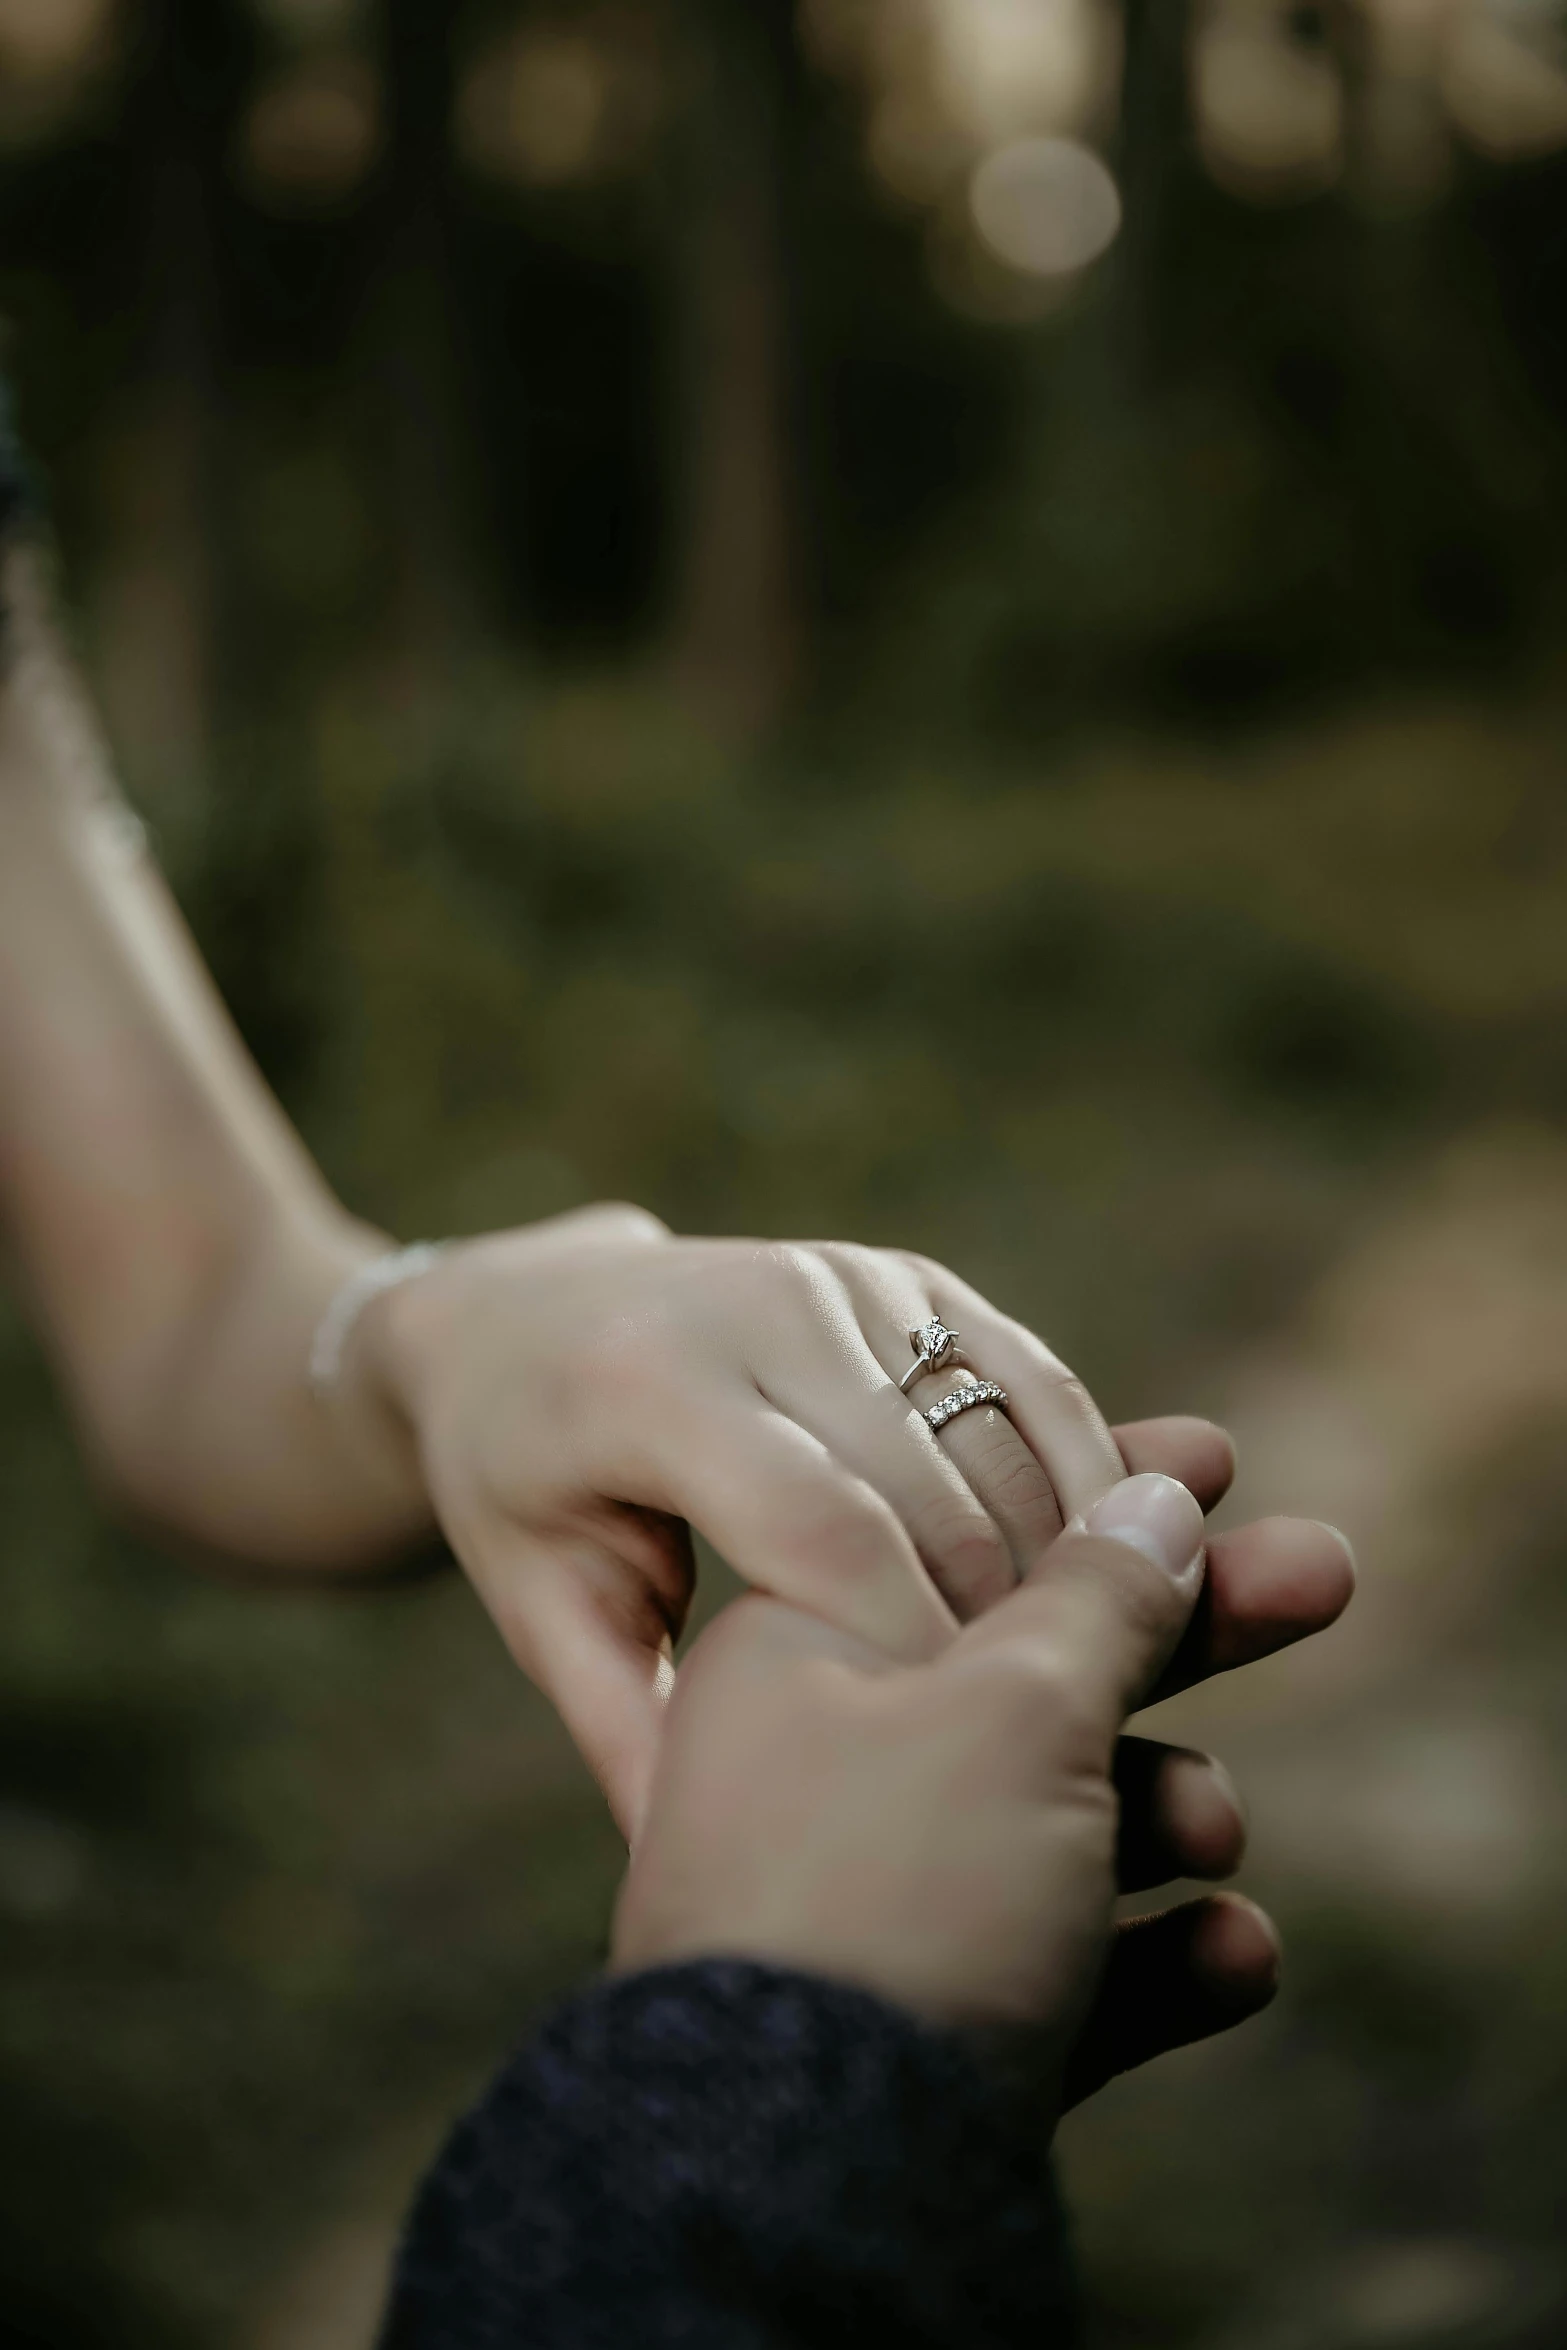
(953, 1836)
(567, 1401)
(731, 2143)
(899, 1762)
(577, 1393)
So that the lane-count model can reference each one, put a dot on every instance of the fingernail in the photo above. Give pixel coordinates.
(1343, 1540)
(1155, 1515)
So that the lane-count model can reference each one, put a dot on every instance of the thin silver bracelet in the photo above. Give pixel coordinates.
(349, 1302)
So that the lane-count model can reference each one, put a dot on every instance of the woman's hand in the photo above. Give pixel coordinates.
(952, 1836)
(581, 1391)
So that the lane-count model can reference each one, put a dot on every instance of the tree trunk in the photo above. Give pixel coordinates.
(736, 623)
(1155, 136)
(164, 581)
(427, 430)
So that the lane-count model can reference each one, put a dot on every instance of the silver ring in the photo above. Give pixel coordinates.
(964, 1399)
(934, 1350)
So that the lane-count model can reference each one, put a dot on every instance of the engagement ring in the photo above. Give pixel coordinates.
(933, 1345)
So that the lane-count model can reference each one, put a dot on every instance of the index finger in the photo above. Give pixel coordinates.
(1268, 1584)
(1101, 1615)
(1199, 1453)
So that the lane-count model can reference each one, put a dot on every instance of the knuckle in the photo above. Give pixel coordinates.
(1013, 1476)
(790, 1267)
(951, 1520)
(1043, 1360)
(618, 1219)
(844, 1256)
(1068, 1399)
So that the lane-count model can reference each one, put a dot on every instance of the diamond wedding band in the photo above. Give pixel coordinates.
(964, 1399)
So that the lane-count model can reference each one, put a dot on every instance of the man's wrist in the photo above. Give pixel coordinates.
(881, 2187)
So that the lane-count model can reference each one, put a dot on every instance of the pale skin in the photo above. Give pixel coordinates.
(562, 1401)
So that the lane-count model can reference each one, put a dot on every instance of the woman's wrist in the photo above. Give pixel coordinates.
(375, 1277)
(352, 1369)
(383, 1359)
(384, 1353)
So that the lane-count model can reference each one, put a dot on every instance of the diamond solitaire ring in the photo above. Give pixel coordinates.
(964, 1399)
(933, 1345)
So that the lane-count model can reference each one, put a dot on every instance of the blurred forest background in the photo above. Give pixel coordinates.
(943, 620)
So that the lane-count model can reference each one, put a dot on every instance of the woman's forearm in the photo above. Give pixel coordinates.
(175, 1240)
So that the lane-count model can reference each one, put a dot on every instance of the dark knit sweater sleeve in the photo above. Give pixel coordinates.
(727, 2155)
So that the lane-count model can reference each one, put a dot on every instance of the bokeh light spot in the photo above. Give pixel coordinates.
(553, 108)
(1269, 104)
(1006, 68)
(1504, 77)
(49, 36)
(1045, 207)
(312, 134)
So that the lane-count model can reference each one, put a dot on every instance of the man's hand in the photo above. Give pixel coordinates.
(952, 1835)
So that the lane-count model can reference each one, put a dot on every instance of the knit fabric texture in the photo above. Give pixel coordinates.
(729, 2155)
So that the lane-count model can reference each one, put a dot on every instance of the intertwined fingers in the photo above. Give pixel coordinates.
(1098, 1619)
(793, 1518)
